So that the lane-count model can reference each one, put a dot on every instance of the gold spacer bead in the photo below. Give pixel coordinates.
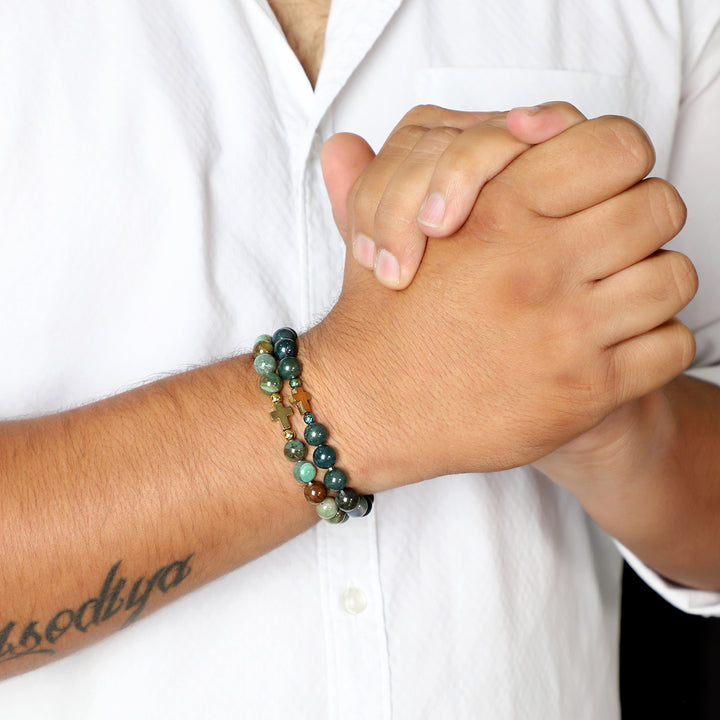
(289, 434)
(276, 397)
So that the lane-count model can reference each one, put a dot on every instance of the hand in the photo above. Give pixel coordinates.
(549, 308)
(426, 178)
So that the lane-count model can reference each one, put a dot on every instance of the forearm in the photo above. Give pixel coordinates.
(656, 487)
(116, 508)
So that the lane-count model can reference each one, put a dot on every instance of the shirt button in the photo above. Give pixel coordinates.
(353, 601)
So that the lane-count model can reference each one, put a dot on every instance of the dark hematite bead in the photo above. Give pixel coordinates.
(324, 456)
(316, 434)
(284, 332)
(288, 367)
(335, 479)
(285, 347)
(295, 450)
(346, 499)
(315, 492)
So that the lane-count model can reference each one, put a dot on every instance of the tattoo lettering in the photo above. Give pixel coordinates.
(37, 639)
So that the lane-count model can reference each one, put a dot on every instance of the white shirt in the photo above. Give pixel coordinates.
(161, 204)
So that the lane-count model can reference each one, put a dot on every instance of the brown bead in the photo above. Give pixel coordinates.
(315, 492)
(262, 347)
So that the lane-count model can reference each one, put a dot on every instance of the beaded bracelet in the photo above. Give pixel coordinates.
(275, 360)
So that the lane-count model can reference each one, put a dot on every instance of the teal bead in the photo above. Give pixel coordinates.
(284, 332)
(327, 508)
(316, 434)
(308, 418)
(340, 518)
(295, 382)
(264, 364)
(324, 456)
(335, 479)
(289, 368)
(263, 338)
(271, 383)
(285, 347)
(304, 471)
(295, 450)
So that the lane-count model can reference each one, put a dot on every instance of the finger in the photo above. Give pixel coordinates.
(644, 296)
(343, 158)
(623, 230)
(537, 124)
(480, 153)
(647, 362)
(587, 164)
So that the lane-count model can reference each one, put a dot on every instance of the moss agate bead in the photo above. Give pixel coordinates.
(284, 332)
(315, 434)
(304, 471)
(262, 347)
(324, 456)
(315, 492)
(264, 364)
(327, 508)
(285, 347)
(289, 367)
(295, 450)
(340, 518)
(335, 479)
(271, 383)
(363, 508)
(346, 499)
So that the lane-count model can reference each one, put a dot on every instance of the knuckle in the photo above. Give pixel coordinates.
(627, 139)
(406, 137)
(422, 115)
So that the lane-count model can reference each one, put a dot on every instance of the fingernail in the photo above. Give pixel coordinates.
(364, 250)
(432, 211)
(387, 268)
(534, 110)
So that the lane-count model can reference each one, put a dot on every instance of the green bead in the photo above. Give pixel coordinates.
(271, 383)
(324, 456)
(295, 382)
(327, 508)
(295, 450)
(316, 434)
(304, 471)
(289, 368)
(263, 347)
(284, 332)
(335, 479)
(264, 364)
(285, 347)
(263, 338)
(339, 519)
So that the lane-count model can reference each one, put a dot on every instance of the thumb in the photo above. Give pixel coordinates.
(344, 157)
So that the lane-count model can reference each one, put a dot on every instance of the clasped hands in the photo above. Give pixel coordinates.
(536, 307)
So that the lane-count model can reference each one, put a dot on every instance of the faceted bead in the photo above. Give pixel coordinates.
(295, 450)
(264, 364)
(363, 507)
(295, 382)
(315, 492)
(335, 479)
(324, 456)
(263, 347)
(316, 434)
(304, 471)
(271, 383)
(284, 332)
(308, 418)
(327, 508)
(289, 367)
(263, 338)
(285, 347)
(340, 518)
(346, 499)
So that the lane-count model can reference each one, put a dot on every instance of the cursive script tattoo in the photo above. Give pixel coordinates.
(38, 638)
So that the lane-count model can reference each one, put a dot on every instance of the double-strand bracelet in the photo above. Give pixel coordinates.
(275, 360)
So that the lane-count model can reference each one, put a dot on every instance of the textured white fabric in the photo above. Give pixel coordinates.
(161, 204)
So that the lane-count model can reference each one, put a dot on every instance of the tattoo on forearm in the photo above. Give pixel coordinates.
(38, 638)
